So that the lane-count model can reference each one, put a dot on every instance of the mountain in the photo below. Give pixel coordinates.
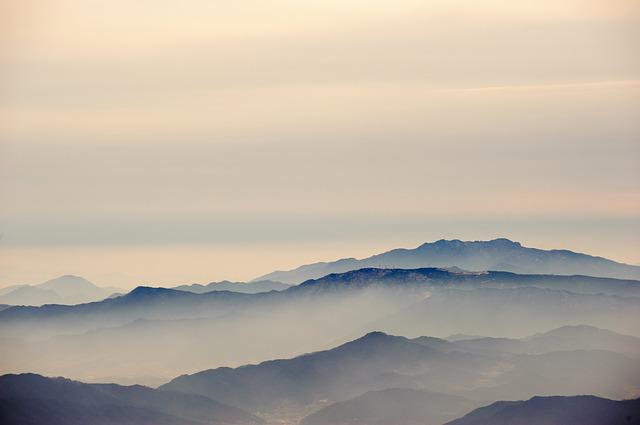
(584, 338)
(30, 399)
(565, 338)
(398, 406)
(75, 287)
(62, 290)
(497, 255)
(577, 337)
(31, 295)
(10, 288)
(140, 303)
(116, 339)
(377, 361)
(442, 278)
(242, 287)
(150, 303)
(313, 380)
(576, 410)
(498, 303)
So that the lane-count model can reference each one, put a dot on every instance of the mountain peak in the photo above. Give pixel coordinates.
(442, 243)
(505, 243)
(457, 243)
(142, 291)
(372, 340)
(67, 281)
(375, 335)
(70, 276)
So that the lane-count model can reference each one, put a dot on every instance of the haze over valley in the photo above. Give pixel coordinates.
(420, 345)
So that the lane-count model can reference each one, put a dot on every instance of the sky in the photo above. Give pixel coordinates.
(164, 142)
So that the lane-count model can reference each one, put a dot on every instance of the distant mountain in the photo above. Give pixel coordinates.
(584, 338)
(62, 290)
(150, 303)
(31, 295)
(31, 399)
(242, 287)
(576, 410)
(497, 255)
(75, 287)
(565, 338)
(398, 406)
(579, 337)
(442, 278)
(141, 303)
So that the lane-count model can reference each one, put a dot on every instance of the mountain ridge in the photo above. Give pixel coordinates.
(66, 289)
(557, 410)
(359, 278)
(498, 254)
(154, 298)
(32, 399)
(242, 287)
(362, 278)
(380, 361)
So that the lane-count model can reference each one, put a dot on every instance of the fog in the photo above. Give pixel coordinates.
(350, 345)
(152, 335)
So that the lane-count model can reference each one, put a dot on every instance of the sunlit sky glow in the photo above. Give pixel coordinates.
(170, 141)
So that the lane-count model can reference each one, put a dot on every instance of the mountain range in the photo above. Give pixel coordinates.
(576, 410)
(496, 255)
(336, 382)
(254, 287)
(448, 278)
(71, 290)
(124, 338)
(66, 289)
(578, 337)
(421, 291)
(210, 348)
(31, 399)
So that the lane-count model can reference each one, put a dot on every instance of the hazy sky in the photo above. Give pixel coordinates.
(172, 141)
